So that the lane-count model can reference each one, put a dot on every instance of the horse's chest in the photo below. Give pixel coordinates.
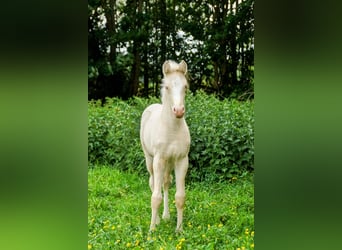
(175, 147)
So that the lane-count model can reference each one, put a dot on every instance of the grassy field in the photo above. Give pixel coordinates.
(216, 215)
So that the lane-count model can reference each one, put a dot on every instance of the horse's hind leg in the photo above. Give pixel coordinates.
(149, 166)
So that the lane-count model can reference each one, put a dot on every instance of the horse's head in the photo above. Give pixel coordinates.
(174, 86)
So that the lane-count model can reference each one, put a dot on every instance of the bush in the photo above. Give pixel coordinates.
(113, 133)
(222, 139)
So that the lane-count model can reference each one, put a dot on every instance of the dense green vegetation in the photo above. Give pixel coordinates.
(222, 133)
(216, 215)
(219, 211)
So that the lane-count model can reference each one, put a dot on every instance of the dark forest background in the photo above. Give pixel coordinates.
(129, 40)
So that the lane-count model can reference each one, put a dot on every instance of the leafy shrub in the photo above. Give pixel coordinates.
(222, 139)
(113, 133)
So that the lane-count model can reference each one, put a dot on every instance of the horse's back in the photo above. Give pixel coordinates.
(147, 126)
(152, 108)
(148, 114)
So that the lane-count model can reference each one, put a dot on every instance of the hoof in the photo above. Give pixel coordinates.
(166, 216)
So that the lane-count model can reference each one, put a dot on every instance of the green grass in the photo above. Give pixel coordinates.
(216, 216)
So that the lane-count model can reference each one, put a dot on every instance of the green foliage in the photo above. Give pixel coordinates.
(113, 133)
(216, 215)
(146, 33)
(222, 139)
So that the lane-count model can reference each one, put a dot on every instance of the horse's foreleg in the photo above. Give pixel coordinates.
(167, 181)
(180, 172)
(156, 199)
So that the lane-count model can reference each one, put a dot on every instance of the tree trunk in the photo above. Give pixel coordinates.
(145, 62)
(163, 31)
(111, 25)
(134, 79)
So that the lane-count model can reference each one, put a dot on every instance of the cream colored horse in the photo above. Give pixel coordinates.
(165, 140)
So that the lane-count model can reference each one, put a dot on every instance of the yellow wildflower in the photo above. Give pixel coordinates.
(252, 245)
(179, 246)
(252, 233)
(89, 246)
(129, 244)
(113, 227)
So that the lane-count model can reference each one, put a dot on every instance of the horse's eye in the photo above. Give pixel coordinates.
(166, 87)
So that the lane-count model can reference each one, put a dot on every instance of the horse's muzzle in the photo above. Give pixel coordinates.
(179, 111)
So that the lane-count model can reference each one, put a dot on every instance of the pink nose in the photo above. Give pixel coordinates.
(178, 111)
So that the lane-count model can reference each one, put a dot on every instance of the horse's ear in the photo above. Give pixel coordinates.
(183, 67)
(166, 67)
